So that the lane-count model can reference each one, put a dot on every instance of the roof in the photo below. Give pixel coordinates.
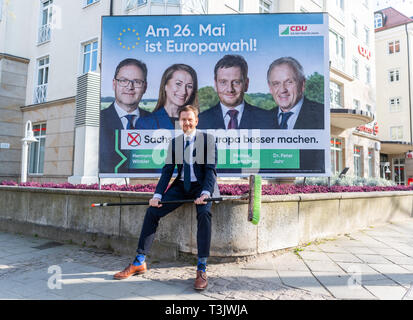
(392, 18)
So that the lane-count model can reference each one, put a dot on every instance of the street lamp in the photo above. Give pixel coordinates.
(28, 138)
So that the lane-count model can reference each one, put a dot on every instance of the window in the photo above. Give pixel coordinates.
(265, 6)
(378, 21)
(335, 95)
(394, 46)
(89, 2)
(45, 21)
(340, 4)
(394, 75)
(354, 28)
(356, 72)
(130, 4)
(356, 104)
(336, 150)
(368, 75)
(368, 108)
(366, 35)
(40, 91)
(37, 149)
(371, 163)
(358, 165)
(398, 173)
(395, 105)
(337, 50)
(396, 133)
(235, 4)
(90, 56)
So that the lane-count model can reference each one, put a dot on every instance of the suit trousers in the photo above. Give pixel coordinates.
(153, 215)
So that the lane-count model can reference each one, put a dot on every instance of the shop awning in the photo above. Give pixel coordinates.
(349, 118)
(395, 147)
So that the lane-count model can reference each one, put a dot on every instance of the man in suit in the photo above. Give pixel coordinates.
(232, 112)
(194, 154)
(129, 84)
(286, 81)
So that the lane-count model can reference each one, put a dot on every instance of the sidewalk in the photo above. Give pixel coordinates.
(376, 263)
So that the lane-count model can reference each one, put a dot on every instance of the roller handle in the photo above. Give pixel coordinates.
(109, 204)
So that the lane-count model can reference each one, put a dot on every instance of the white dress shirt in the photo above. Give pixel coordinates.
(122, 113)
(293, 118)
(191, 138)
(227, 118)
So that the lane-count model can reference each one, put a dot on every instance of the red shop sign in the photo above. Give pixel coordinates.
(364, 52)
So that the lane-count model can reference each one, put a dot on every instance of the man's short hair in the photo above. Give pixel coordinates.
(132, 62)
(232, 60)
(292, 63)
(187, 108)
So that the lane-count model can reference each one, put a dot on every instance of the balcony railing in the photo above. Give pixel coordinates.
(40, 93)
(44, 34)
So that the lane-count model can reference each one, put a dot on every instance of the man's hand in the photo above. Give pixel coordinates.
(201, 199)
(154, 202)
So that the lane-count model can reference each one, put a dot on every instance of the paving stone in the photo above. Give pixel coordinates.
(316, 256)
(303, 280)
(400, 260)
(329, 266)
(364, 271)
(373, 259)
(361, 250)
(343, 257)
(343, 286)
(385, 290)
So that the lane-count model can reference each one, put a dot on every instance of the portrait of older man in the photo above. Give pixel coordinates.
(286, 81)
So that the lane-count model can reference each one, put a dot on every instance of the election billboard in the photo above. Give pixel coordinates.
(260, 81)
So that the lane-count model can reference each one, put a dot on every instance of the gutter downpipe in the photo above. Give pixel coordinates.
(409, 83)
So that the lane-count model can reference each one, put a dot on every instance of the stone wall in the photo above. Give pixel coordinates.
(13, 78)
(286, 221)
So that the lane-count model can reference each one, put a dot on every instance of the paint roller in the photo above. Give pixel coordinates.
(253, 196)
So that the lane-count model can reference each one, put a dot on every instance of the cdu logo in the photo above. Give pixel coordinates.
(286, 32)
(300, 30)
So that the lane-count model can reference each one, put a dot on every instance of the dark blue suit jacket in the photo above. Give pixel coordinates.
(311, 116)
(205, 156)
(156, 120)
(252, 118)
(109, 122)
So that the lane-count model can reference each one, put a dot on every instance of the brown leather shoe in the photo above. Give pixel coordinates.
(201, 281)
(130, 270)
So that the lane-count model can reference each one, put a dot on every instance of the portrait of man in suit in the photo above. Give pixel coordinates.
(129, 85)
(232, 112)
(286, 81)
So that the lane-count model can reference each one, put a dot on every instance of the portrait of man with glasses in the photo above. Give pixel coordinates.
(129, 85)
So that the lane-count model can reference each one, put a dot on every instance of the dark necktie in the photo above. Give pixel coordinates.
(284, 118)
(233, 122)
(187, 167)
(130, 118)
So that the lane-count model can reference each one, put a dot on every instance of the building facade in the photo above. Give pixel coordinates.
(393, 41)
(49, 67)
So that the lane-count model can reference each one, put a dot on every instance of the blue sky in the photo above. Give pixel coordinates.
(133, 32)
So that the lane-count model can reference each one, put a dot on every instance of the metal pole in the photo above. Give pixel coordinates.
(25, 149)
(28, 138)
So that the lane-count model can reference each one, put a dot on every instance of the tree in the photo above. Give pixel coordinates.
(314, 88)
(207, 98)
